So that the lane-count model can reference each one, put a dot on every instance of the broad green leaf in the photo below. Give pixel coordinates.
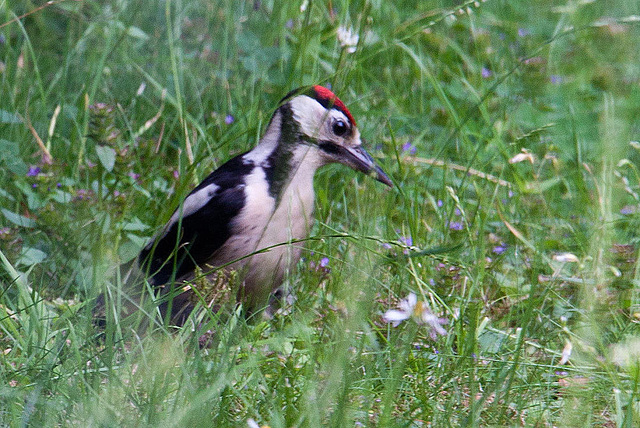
(135, 225)
(61, 197)
(31, 256)
(8, 117)
(107, 157)
(7, 195)
(34, 201)
(11, 157)
(131, 247)
(18, 219)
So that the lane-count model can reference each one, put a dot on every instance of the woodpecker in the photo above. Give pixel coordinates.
(248, 214)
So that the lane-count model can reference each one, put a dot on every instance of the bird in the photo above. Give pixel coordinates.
(249, 215)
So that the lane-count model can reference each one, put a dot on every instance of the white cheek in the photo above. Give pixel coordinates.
(310, 115)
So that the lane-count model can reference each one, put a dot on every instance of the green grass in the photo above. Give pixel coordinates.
(522, 258)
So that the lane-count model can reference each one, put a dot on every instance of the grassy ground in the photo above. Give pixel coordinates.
(511, 132)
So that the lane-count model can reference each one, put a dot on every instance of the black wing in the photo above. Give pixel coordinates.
(192, 240)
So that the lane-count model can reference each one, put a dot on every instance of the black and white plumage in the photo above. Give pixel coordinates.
(260, 199)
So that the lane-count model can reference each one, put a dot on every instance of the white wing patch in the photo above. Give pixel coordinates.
(193, 203)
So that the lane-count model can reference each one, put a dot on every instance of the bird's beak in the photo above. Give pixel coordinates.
(359, 159)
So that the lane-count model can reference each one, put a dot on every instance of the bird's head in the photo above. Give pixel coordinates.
(321, 120)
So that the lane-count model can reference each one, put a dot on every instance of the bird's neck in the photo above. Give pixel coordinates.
(288, 161)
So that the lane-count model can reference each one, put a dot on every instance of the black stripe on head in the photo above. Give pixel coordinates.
(330, 147)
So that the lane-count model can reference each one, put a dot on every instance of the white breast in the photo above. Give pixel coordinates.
(263, 225)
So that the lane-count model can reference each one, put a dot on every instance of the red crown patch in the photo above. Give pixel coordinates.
(328, 99)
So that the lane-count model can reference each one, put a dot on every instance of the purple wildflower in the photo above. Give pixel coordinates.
(4, 232)
(457, 212)
(82, 194)
(406, 240)
(229, 119)
(58, 185)
(387, 245)
(555, 79)
(33, 171)
(439, 203)
(486, 73)
(523, 32)
(408, 147)
(289, 24)
(455, 225)
(133, 175)
(324, 262)
(34, 185)
(499, 249)
(628, 209)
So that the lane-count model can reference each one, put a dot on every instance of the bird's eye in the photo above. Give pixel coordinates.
(340, 128)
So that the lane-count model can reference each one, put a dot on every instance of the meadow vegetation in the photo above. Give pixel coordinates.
(511, 130)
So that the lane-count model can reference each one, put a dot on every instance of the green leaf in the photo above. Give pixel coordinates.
(7, 195)
(18, 219)
(11, 157)
(61, 197)
(130, 248)
(137, 33)
(31, 256)
(107, 157)
(135, 225)
(7, 117)
(34, 201)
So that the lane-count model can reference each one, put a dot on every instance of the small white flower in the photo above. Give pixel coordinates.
(565, 258)
(566, 353)
(526, 155)
(406, 310)
(251, 423)
(141, 89)
(419, 311)
(348, 38)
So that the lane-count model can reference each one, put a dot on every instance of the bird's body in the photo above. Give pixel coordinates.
(249, 214)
